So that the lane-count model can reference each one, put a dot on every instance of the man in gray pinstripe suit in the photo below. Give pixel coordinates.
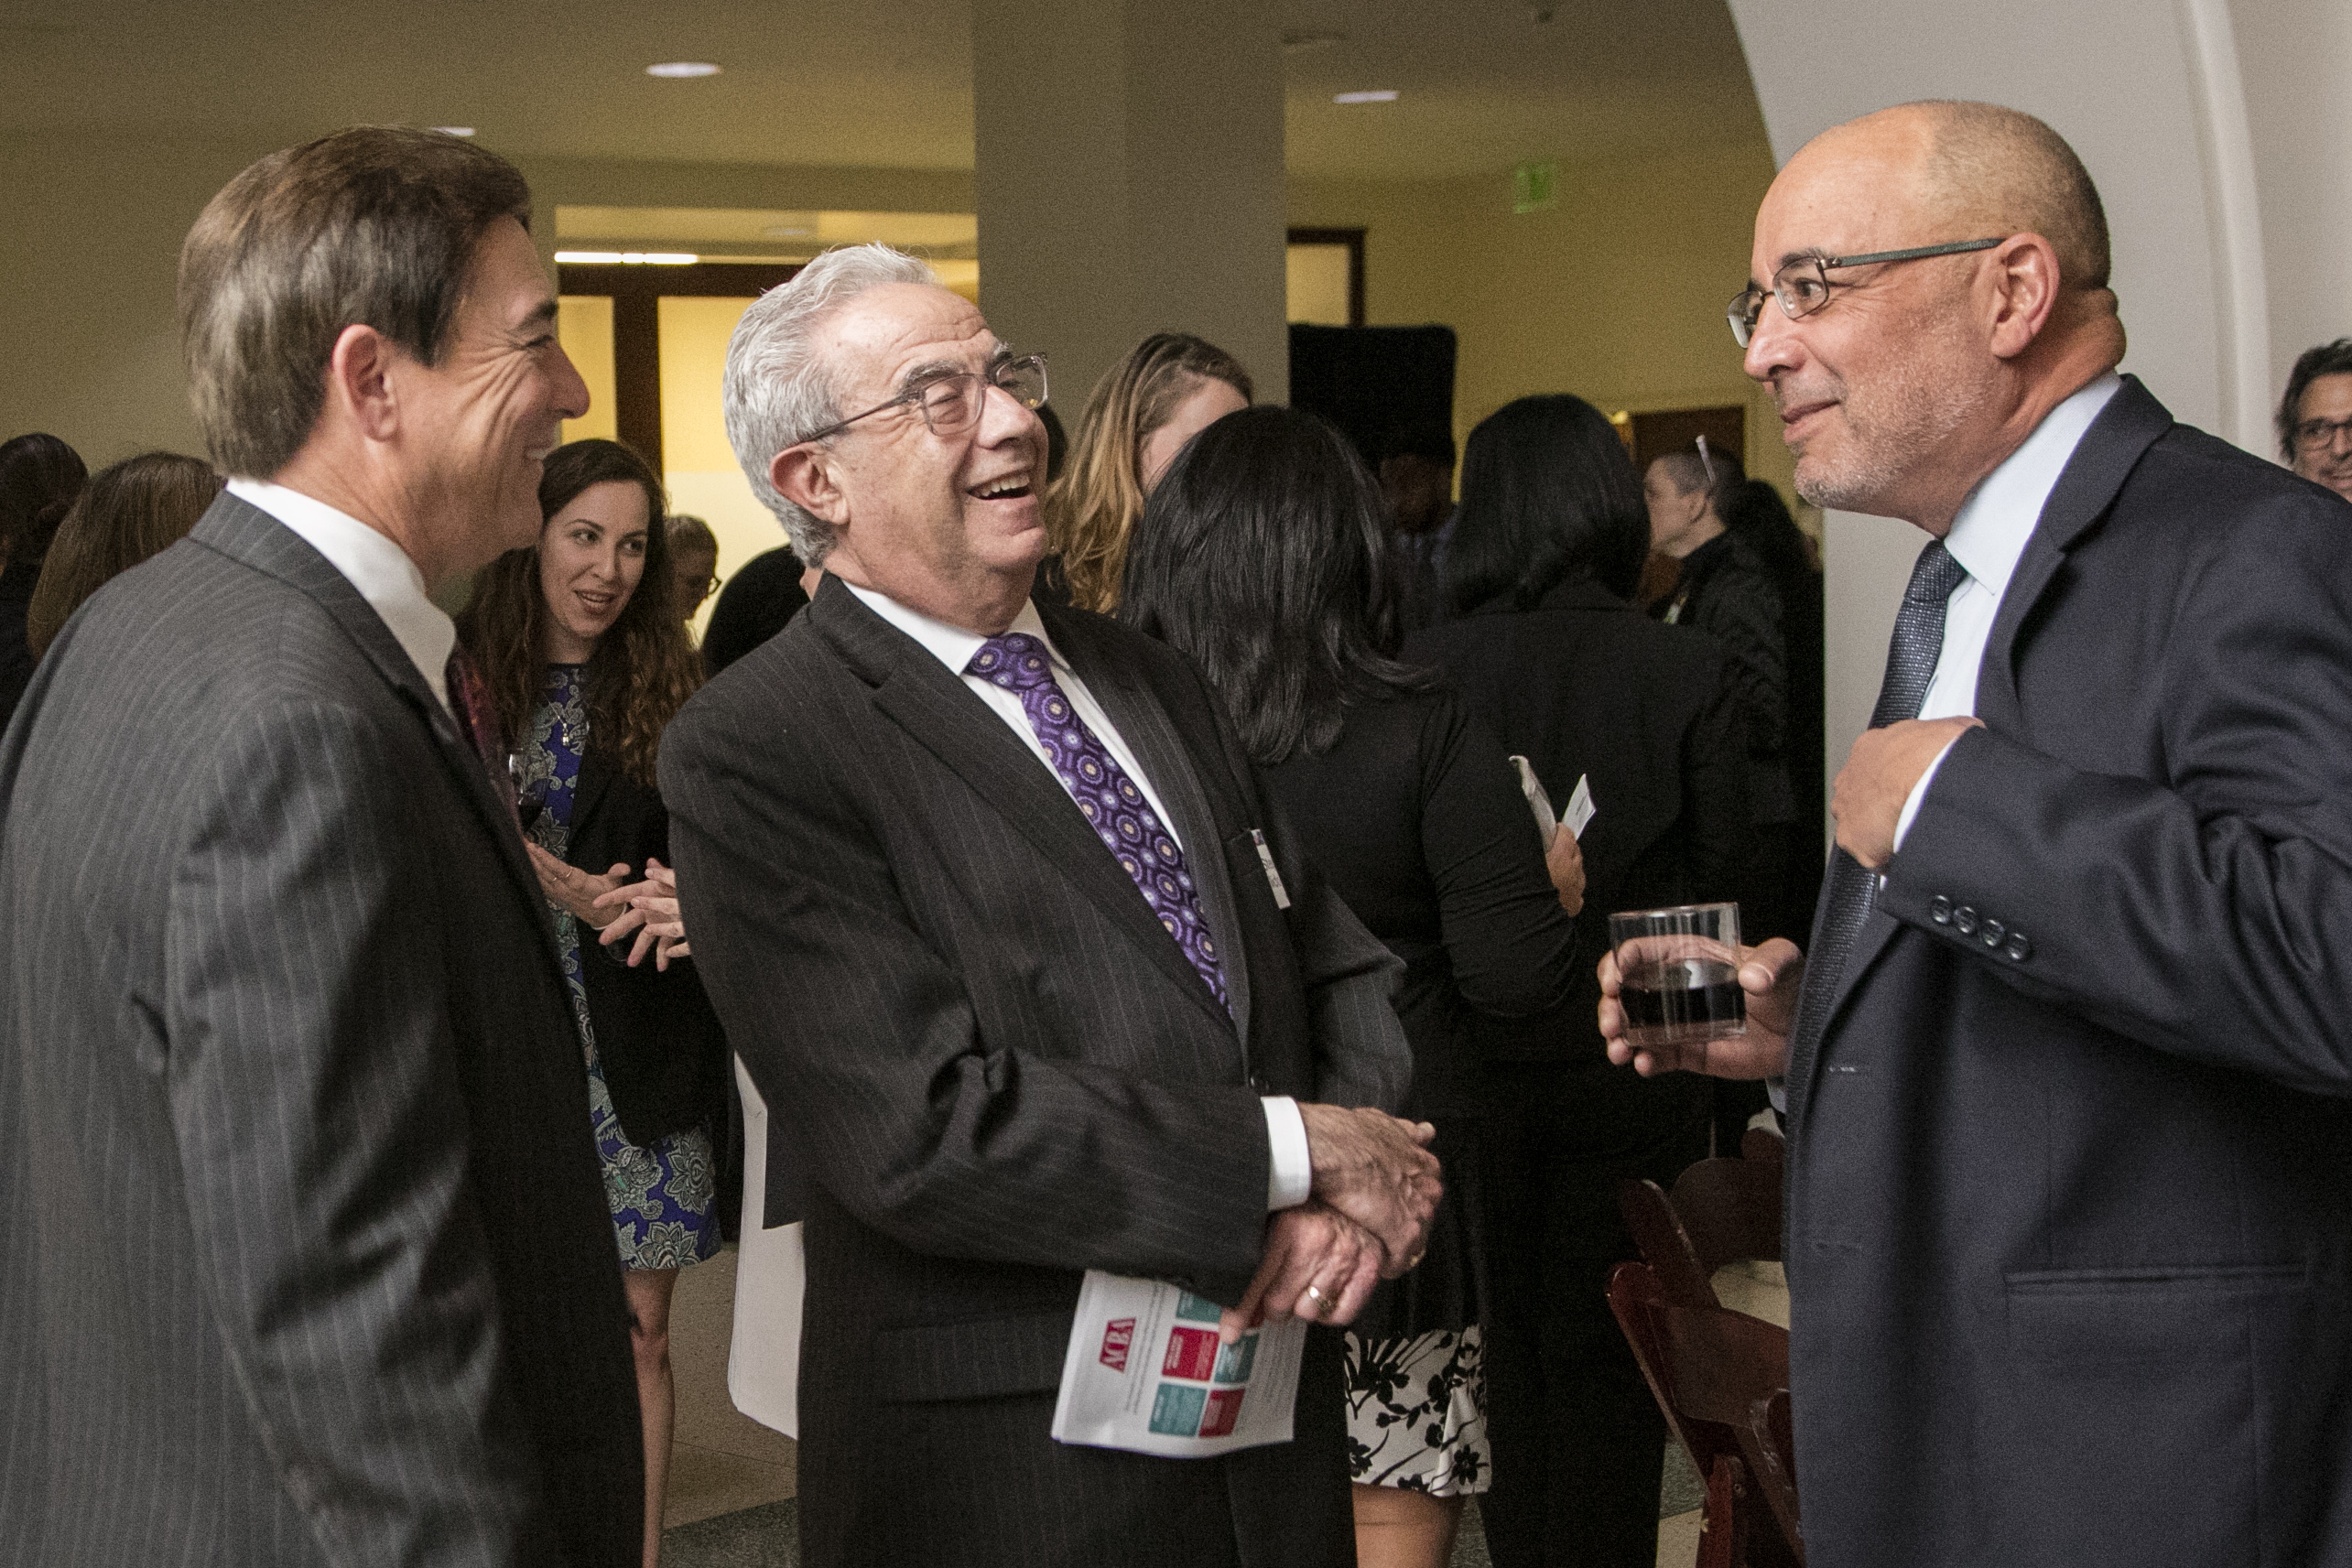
(1001, 1043)
(310, 1261)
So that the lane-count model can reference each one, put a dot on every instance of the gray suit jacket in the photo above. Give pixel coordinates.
(988, 1069)
(308, 1257)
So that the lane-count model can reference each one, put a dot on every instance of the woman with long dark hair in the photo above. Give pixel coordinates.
(1549, 650)
(582, 662)
(1260, 554)
(40, 478)
(128, 512)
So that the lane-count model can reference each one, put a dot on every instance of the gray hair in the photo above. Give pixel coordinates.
(778, 393)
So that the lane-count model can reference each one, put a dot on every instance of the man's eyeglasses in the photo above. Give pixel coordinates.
(1803, 285)
(951, 404)
(2317, 434)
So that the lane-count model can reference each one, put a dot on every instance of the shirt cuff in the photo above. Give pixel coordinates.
(1290, 1175)
(1919, 792)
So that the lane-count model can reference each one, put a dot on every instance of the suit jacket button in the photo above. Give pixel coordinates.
(2019, 948)
(1994, 931)
(1964, 921)
(1258, 1083)
(1940, 909)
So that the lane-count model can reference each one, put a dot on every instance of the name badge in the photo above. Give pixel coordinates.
(1273, 875)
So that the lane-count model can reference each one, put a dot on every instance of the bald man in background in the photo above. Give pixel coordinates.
(2070, 1145)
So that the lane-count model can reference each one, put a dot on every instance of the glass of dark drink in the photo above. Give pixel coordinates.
(1678, 973)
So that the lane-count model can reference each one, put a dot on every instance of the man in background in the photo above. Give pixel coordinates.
(2069, 1236)
(310, 1259)
(1416, 480)
(2315, 417)
(694, 558)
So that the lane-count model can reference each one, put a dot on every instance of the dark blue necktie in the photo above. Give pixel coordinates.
(1912, 655)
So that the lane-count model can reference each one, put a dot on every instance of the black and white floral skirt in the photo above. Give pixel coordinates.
(1416, 1413)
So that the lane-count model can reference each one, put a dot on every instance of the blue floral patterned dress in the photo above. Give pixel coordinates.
(663, 1197)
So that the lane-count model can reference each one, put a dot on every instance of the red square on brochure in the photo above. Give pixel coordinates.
(1192, 1353)
(1224, 1409)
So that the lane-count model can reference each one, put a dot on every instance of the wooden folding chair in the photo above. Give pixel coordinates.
(1730, 1210)
(1664, 1244)
(1721, 1379)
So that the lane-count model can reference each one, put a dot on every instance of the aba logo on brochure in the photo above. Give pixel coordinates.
(1117, 1335)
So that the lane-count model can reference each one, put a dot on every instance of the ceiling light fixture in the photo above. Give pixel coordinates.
(1307, 42)
(682, 67)
(455, 130)
(626, 258)
(1373, 95)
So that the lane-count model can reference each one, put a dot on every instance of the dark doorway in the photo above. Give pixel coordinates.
(636, 293)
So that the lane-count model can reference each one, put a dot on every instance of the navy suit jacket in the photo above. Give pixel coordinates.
(2070, 1226)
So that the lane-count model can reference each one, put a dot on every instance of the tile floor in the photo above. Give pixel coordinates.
(731, 1492)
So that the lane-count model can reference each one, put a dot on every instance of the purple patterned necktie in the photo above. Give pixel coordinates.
(1121, 817)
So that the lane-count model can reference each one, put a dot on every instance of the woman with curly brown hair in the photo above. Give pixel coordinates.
(1169, 389)
(581, 661)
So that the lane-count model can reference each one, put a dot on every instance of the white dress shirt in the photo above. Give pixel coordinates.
(1290, 1177)
(1987, 538)
(380, 569)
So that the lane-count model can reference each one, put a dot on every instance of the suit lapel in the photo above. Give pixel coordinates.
(935, 709)
(244, 532)
(2086, 487)
(1160, 752)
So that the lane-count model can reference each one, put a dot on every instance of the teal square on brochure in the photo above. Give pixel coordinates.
(1197, 1309)
(1233, 1362)
(1175, 1410)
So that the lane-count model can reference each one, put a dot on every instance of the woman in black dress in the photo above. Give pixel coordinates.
(1260, 555)
(1550, 651)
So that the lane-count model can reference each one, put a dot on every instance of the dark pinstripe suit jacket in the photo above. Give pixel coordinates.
(309, 1261)
(989, 1069)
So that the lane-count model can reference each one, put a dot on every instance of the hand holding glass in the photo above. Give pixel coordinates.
(1679, 974)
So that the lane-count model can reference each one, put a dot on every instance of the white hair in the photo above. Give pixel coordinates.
(775, 391)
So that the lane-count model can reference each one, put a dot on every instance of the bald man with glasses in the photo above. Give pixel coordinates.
(2068, 1081)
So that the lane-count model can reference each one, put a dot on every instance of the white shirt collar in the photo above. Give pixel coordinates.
(1989, 534)
(373, 565)
(951, 645)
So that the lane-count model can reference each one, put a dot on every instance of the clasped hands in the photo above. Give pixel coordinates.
(617, 907)
(1367, 1217)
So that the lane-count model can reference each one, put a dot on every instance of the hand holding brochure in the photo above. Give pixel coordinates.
(1580, 810)
(1144, 1373)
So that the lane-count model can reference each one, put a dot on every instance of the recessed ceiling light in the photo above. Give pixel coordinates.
(1374, 95)
(683, 67)
(455, 130)
(627, 258)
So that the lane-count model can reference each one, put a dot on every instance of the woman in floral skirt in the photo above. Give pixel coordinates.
(574, 649)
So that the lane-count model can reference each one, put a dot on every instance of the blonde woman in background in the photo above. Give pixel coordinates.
(1139, 415)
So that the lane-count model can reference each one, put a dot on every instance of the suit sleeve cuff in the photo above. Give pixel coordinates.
(1290, 1175)
(1919, 792)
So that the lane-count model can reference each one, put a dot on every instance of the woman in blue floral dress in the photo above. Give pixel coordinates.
(575, 646)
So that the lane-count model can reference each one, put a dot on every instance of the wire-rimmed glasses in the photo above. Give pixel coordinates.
(951, 404)
(2320, 434)
(1803, 285)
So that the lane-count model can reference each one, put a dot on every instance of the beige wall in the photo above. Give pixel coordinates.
(91, 241)
(1616, 294)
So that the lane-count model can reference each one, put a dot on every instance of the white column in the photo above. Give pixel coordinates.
(1129, 177)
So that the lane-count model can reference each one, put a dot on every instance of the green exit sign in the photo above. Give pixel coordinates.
(1535, 187)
